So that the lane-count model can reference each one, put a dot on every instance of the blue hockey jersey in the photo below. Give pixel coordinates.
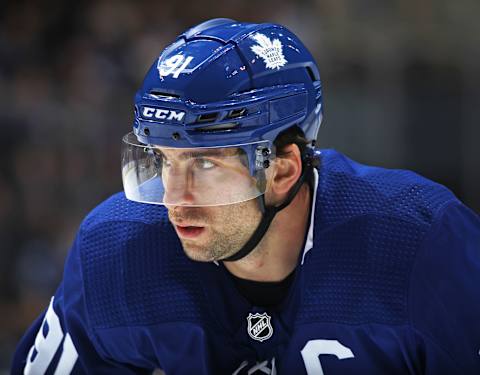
(388, 283)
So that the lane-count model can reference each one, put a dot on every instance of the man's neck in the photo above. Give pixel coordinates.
(276, 256)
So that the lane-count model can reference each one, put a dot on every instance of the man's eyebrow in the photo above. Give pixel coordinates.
(200, 154)
(203, 153)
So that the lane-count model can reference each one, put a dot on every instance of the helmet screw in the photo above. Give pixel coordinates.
(266, 164)
(146, 131)
(176, 136)
(265, 152)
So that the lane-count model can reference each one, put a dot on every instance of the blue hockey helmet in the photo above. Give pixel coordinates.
(218, 97)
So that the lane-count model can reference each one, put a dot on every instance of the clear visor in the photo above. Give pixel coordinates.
(190, 176)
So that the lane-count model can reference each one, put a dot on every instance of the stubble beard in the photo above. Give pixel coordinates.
(228, 228)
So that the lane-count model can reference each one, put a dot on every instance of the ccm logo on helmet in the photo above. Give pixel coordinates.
(162, 114)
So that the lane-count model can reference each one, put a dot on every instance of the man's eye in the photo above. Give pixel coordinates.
(162, 160)
(204, 164)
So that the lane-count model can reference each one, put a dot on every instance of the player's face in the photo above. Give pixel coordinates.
(212, 232)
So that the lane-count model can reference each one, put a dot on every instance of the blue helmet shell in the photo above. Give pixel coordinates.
(223, 83)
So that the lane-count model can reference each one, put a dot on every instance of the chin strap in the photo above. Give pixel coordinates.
(311, 161)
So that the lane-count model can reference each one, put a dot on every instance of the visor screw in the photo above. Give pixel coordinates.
(266, 164)
(146, 131)
(265, 152)
(176, 136)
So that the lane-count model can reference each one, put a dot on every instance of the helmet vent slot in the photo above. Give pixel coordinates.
(311, 74)
(217, 127)
(162, 94)
(207, 117)
(235, 113)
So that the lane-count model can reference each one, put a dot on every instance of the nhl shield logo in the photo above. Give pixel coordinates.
(259, 326)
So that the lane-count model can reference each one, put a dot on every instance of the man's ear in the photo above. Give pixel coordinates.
(288, 168)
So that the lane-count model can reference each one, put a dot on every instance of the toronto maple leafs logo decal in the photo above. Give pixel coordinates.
(269, 50)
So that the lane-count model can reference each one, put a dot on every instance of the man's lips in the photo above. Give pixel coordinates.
(188, 231)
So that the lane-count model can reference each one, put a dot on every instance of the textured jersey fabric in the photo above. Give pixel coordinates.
(389, 286)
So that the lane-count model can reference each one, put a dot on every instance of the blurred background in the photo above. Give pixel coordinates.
(401, 85)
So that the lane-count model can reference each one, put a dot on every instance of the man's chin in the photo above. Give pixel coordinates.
(196, 252)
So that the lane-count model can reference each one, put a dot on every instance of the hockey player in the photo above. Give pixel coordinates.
(239, 248)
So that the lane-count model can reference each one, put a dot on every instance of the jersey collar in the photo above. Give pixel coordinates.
(309, 240)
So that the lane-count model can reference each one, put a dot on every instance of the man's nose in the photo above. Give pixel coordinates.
(178, 186)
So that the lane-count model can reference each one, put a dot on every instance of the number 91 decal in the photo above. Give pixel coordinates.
(174, 65)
